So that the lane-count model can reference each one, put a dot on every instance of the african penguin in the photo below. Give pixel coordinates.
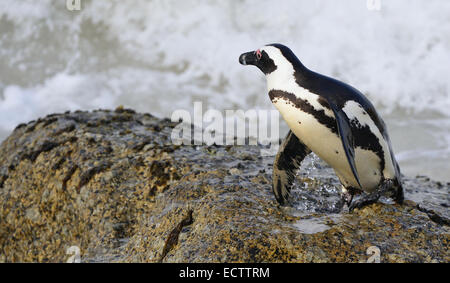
(332, 119)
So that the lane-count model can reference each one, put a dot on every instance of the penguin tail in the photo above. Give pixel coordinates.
(399, 196)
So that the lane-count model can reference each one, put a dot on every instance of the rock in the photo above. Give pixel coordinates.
(113, 184)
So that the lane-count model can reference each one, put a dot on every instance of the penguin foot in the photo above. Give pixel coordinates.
(388, 186)
(347, 198)
(348, 194)
(364, 201)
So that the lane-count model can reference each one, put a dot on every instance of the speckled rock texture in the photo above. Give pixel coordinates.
(113, 184)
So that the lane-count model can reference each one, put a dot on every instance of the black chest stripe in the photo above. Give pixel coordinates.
(305, 106)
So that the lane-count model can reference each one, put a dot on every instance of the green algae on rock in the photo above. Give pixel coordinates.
(113, 184)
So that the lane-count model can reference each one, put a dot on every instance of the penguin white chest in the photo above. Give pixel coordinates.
(328, 145)
(310, 131)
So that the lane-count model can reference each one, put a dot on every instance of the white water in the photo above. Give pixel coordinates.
(159, 56)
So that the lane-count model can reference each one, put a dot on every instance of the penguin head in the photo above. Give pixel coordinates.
(271, 58)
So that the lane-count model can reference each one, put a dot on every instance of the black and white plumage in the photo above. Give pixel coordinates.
(332, 119)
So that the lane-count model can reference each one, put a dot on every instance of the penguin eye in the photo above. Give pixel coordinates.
(258, 54)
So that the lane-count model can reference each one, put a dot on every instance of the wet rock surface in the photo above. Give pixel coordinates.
(113, 184)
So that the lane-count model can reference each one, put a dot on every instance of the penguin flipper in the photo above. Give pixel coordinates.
(289, 157)
(345, 133)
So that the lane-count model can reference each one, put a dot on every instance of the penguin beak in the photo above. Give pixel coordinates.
(248, 58)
